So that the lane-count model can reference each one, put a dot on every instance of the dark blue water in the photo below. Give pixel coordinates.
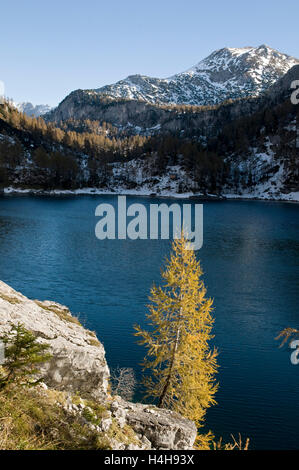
(250, 256)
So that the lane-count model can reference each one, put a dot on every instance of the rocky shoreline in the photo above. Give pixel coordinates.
(79, 375)
(289, 197)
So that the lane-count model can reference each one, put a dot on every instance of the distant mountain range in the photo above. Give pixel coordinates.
(226, 126)
(226, 73)
(32, 110)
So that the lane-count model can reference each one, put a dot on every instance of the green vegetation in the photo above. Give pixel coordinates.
(23, 353)
(126, 435)
(35, 418)
(30, 417)
(56, 153)
(182, 366)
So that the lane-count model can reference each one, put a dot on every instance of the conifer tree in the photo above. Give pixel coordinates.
(23, 355)
(180, 365)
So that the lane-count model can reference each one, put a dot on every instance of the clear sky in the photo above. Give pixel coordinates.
(52, 48)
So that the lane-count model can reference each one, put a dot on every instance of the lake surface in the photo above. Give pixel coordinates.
(48, 250)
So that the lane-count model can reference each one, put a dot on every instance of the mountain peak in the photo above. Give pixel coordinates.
(227, 73)
(265, 46)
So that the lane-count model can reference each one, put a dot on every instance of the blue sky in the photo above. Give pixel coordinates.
(51, 48)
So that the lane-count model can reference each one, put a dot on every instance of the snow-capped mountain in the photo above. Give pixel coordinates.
(32, 110)
(260, 152)
(224, 74)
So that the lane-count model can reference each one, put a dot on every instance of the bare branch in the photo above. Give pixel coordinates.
(123, 382)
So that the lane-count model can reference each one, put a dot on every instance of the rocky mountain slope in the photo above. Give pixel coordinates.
(77, 377)
(134, 117)
(243, 148)
(227, 73)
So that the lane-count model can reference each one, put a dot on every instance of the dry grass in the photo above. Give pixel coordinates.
(94, 342)
(35, 419)
(234, 445)
(62, 314)
(10, 299)
(31, 419)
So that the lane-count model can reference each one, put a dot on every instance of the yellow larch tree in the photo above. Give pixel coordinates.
(180, 365)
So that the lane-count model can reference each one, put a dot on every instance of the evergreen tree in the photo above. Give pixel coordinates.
(179, 360)
(40, 157)
(23, 353)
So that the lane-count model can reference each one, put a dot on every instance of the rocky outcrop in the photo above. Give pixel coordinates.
(78, 359)
(79, 370)
(163, 429)
(133, 426)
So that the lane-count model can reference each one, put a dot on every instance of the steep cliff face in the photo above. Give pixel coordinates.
(141, 118)
(78, 370)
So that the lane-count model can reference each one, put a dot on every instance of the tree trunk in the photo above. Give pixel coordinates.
(171, 366)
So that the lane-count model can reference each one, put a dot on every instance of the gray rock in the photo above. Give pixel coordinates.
(106, 422)
(116, 445)
(114, 406)
(78, 363)
(120, 416)
(164, 429)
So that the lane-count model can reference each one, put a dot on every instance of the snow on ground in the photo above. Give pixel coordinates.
(118, 191)
(9, 139)
(291, 197)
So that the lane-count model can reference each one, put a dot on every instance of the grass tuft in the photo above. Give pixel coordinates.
(61, 313)
(10, 299)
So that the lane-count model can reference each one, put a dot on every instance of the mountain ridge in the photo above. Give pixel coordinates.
(227, 73)
(245, 147)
